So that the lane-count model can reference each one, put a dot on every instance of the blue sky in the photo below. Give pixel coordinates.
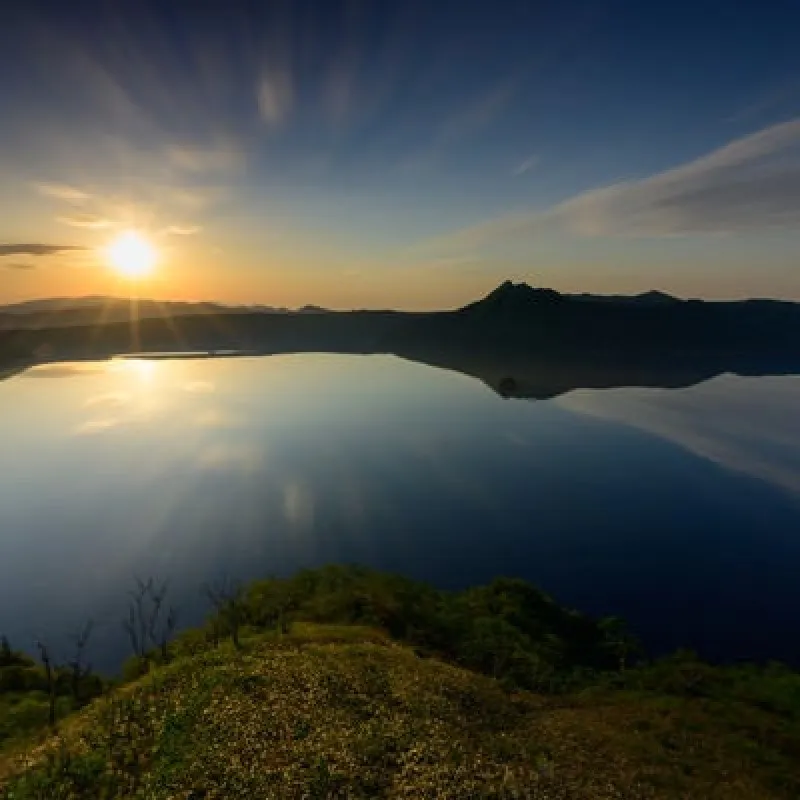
(408, 154)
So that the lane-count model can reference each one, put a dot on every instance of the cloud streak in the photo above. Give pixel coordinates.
(275, 98)
(206, 159)
(526, 166)
(99, 212)
(182, 230)
(36, 249)
(751, 184)
(17, 266)
(91, 221)
(61, 191)
(196, 198)
(473, 118)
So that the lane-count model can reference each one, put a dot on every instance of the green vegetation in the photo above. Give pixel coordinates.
(344, 682)
(28, 695)
(508, 629)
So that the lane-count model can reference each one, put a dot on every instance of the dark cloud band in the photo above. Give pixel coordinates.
(36, 249)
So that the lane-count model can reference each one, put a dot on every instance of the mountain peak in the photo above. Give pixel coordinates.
(656, 297)
(509, 296)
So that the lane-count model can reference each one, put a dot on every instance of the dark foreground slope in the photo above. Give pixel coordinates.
(325, 713)
(426, 701)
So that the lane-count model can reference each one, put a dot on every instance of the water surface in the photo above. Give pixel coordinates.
(677, 509)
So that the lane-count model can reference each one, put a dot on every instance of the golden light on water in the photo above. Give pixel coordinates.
(144, 371)
(131, 255)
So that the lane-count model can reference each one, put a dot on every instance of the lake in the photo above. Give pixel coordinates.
(678, 509)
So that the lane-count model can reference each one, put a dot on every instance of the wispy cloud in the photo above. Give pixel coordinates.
(526, 166)
(17, 266)
(770, 100)
(182, 230)
(275, 97)
(36, 249)
(475, 116)
(61, 191)
(206, 159)
(196, 198)
(340, 94)
(86, 221)
(751, 184)
(460, 264)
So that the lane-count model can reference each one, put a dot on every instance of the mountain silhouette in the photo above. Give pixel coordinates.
(521, 341)
(514, 298)
(653, 297)
(59, 312)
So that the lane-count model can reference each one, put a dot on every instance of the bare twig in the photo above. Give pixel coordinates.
(227, 598)
(78, 670)
(44, 654)
(146, 624)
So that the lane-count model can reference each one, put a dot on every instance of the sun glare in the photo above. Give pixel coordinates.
(131, 255)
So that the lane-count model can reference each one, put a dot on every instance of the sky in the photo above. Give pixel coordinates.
(400, 153)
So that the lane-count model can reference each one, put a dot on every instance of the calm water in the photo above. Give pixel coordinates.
(677, 509)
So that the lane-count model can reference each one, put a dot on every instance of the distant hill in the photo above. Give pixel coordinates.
(508, 297)
(651, 298)
(97, 309)
(61, 304)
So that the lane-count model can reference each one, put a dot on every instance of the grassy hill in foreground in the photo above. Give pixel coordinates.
(330, 710)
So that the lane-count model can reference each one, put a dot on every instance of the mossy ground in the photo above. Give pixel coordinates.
(338, 711)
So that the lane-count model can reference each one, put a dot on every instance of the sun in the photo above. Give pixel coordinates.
(131, 255)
